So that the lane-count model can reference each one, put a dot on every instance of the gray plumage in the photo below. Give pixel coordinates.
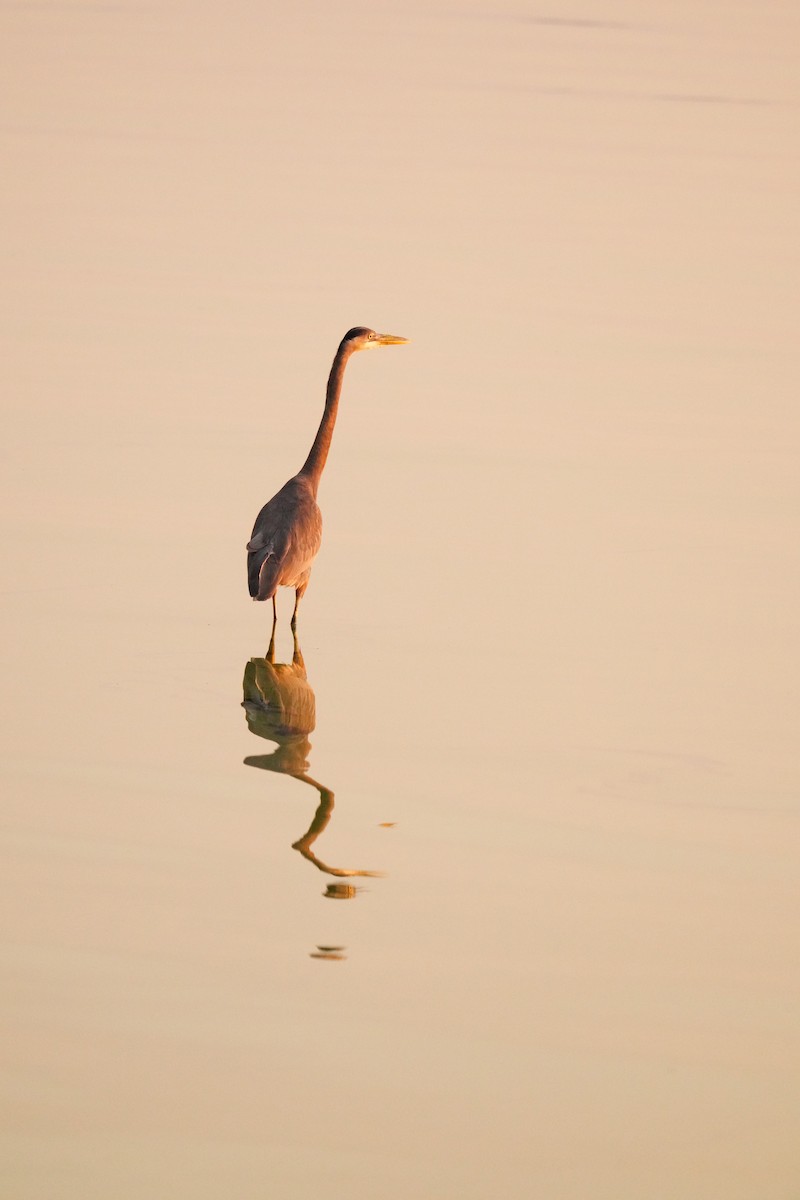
(288, 531)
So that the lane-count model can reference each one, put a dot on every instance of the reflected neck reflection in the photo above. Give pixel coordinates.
(280, 705)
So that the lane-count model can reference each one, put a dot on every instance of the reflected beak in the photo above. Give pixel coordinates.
(389, 339)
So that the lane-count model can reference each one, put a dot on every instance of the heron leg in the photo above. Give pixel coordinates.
(271, 651)
(298, 596)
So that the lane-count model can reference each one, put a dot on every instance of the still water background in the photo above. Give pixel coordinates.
(552, 634)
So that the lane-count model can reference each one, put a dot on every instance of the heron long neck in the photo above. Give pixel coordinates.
(313, 466)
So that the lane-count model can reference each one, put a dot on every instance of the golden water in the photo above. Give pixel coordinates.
(543, 746)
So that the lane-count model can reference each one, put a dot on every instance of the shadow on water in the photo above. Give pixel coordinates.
(280, 706)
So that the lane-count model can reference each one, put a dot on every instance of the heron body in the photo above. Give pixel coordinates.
(288, 531)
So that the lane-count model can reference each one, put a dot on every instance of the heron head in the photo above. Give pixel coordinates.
(361, 338)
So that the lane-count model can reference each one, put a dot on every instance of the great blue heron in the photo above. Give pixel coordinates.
(288, 530)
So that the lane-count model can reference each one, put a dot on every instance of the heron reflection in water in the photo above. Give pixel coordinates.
(280, 706)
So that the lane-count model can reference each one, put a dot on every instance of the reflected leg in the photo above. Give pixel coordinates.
(297, 656)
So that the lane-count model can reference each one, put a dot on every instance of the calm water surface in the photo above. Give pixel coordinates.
(490, 888)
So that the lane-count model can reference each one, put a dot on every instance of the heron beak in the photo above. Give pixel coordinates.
(389, 339)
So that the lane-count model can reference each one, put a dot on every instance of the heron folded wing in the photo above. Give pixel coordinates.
(263, 576)
(258, 542)
(261, 553)
(267, 554)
